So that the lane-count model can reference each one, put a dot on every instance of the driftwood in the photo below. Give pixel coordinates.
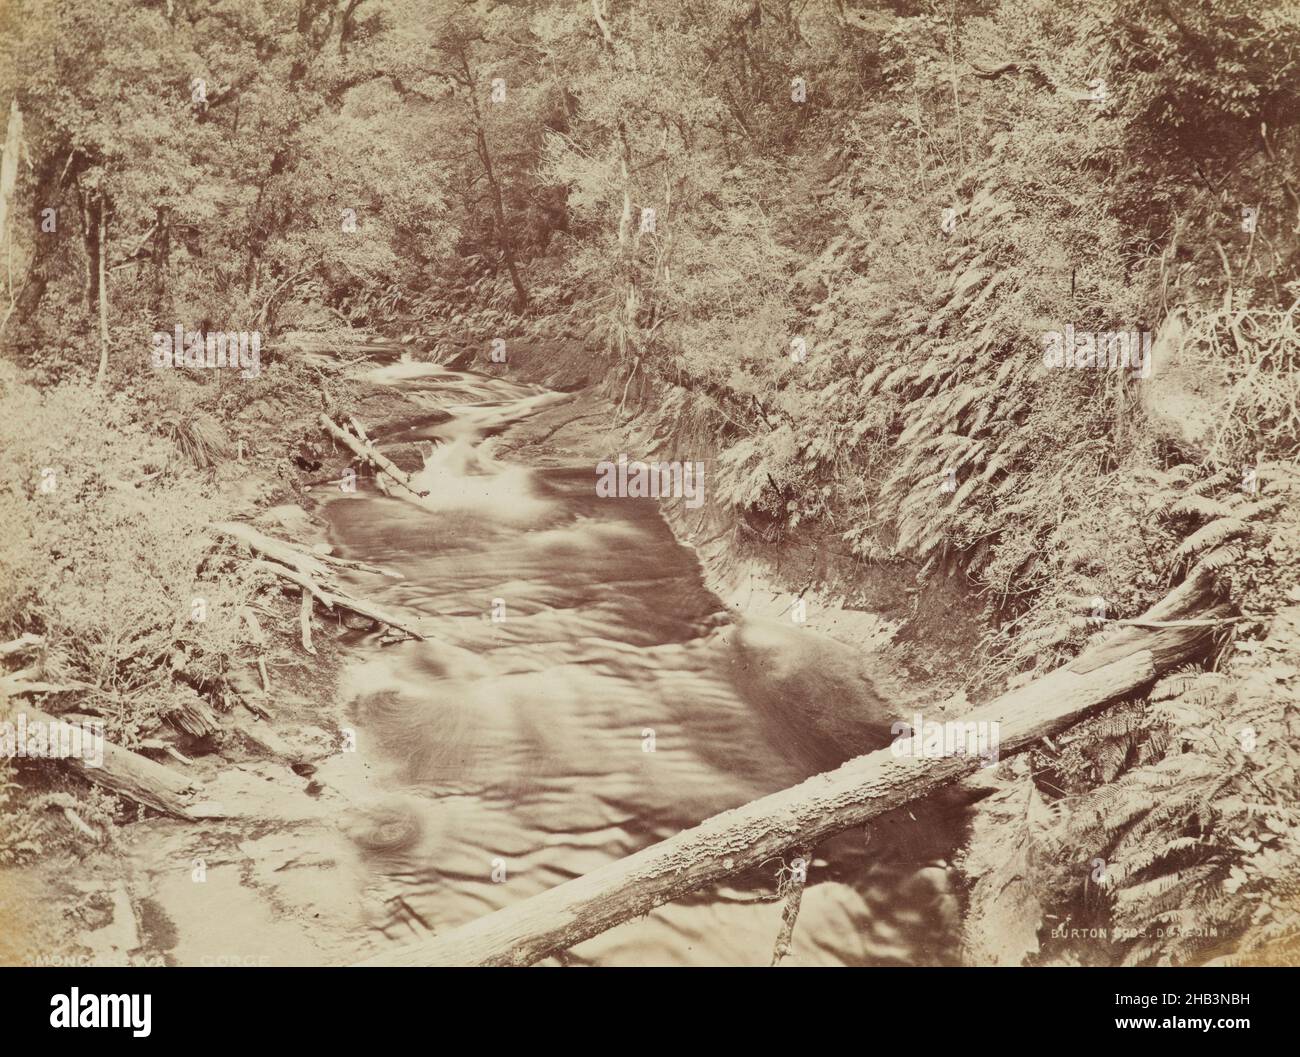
(313, 573)
(801, 817)
(376, 459)
(131, 775)
(381, 482)
(310, 563)
(336, 597)
(194, 716)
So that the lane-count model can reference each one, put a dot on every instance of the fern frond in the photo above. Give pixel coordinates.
(1212, 535)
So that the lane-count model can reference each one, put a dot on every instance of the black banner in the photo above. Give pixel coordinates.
(214, 1006)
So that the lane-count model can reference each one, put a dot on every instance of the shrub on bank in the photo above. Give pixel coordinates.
(107, 559)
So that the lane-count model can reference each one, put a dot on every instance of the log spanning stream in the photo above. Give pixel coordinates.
(577, 698)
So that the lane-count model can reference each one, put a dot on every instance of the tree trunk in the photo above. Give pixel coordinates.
(827, 804)
(8, 181)
(160, 256)
(503, 235)
(89, 245)
(626, 261)
(347, 26)
(504, 241)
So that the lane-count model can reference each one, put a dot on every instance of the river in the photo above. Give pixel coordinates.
(580, 695)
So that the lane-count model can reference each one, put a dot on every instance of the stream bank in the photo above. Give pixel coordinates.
(329, 854)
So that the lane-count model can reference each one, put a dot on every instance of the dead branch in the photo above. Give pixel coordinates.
(376, 459)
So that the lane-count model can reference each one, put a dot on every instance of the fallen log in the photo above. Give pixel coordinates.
(376, 459)
(826, 804)
(992, 73)
(309, 563)
(312, 572)
(367, 609)
(381, 481)
(78, 823)
(247, 691)
(129, 774)
(194, 716)
(349, 563)
(334, 596)
(158, 745)
(304, 581)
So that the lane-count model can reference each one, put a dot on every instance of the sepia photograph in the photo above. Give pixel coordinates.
(649, 484)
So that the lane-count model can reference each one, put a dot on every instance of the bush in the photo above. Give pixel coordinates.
(108, 556)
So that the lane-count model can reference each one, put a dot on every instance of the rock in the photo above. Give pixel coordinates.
(308, 457)
(121, 933)
(1183, 399)
(816, 690)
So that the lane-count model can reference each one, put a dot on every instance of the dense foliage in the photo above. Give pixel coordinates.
(817, 244)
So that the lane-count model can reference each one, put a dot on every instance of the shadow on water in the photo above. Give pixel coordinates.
(579, 697)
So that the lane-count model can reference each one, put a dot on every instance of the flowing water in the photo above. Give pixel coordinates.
(580, 694)
(579, 697)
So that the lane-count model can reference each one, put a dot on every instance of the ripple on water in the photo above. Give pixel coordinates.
(605, 712)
